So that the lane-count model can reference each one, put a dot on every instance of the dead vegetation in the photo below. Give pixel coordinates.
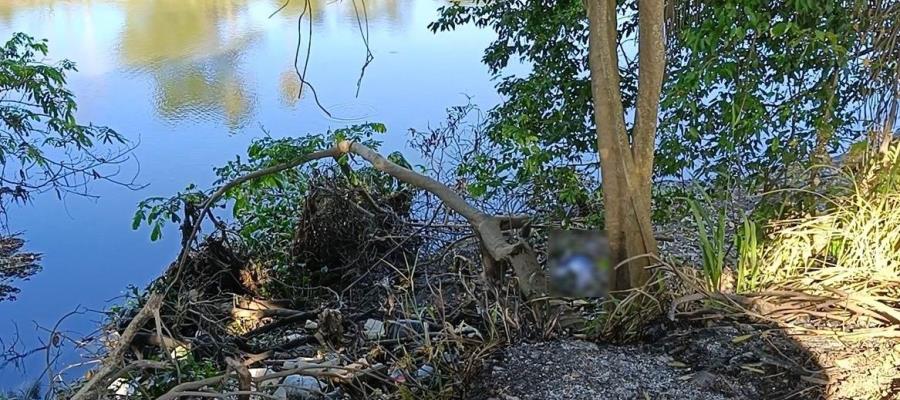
(415, 305)
(376, 313)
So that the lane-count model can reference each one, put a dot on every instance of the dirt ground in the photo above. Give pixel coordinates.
(725, 362)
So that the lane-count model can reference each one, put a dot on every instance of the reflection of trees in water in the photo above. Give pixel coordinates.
(207, 89)
(289, 88)
(184, 46)
(163, 30)
(192, 48)
(374, 9)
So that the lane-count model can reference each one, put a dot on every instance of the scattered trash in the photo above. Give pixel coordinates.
(293, 337)
(180, 353)
(468, 331)
(397, 376)
(260, 372)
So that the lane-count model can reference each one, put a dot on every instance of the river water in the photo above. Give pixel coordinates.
(193, 81)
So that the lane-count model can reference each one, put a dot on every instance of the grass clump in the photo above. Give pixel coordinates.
(711, 233)
(847, 254)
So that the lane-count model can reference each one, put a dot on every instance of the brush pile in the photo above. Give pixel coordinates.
(359, 310)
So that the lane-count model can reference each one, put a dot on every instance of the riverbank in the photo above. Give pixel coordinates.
(403, 322)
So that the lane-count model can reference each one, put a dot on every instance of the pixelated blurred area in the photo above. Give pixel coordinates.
(579, 263)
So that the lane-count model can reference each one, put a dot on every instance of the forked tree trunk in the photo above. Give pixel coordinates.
(626, 165)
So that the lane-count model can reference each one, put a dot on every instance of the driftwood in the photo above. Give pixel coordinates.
(497, 250)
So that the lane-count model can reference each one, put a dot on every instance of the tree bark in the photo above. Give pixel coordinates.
(626, 165)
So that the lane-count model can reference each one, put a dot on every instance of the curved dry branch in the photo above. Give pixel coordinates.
(532, 281)
(112, 364)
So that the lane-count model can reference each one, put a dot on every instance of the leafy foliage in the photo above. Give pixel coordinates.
(543, 131)
(157, 211)
(748, 248)
(190, 368)
(759, 86)
(753, 87)
(847, 251)
(42, 145)
(265, 212)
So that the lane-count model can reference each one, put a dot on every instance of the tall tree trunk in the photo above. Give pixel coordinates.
(626, 165)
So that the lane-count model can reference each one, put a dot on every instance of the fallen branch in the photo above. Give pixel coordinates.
(300, 316)
(112, 362)
(532, 280)
(497, 249)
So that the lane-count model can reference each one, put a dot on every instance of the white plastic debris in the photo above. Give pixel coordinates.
(373, 329)
(299, 387)
(425, 371)
(292, 337)
(468, 331)
(259, 372)
(123, 387)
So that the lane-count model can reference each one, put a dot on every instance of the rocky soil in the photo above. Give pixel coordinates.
(705, 364)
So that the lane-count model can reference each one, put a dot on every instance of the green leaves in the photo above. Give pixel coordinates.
(266, 208)
(751, 87)
(749, 256)
(156, 212)
(752, 104)
(37, 112)
(780, 28)
(711, 233)
(545, 123)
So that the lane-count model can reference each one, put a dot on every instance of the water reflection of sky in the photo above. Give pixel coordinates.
(194, 81)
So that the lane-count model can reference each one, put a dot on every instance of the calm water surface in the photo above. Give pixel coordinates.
(193, 81)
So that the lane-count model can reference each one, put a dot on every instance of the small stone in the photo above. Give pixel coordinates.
(311, 325)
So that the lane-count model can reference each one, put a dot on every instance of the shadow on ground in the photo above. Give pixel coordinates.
(735, 361)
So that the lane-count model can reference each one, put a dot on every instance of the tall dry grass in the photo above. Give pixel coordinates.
(848, 255)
